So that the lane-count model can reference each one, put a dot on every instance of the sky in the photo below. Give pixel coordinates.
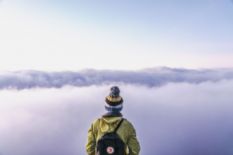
(124, 35)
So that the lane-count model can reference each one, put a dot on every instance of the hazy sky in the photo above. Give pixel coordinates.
(107, 34)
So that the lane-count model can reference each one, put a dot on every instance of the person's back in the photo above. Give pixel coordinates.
(109, 123)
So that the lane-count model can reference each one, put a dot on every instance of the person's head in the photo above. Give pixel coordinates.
(114, 100)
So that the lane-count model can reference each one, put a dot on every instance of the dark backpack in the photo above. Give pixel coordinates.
(111, 143)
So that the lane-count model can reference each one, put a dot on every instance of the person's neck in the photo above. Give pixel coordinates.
(113, 114)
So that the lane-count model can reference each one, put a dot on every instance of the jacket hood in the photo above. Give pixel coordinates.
(108, 124)
(111, 120)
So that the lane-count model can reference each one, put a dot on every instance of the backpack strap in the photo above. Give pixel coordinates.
(118, 125)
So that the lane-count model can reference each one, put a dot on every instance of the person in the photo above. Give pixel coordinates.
(108, 123)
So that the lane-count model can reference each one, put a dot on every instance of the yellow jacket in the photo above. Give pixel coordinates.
(108, 124)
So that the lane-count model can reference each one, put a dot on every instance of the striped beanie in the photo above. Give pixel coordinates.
(114, 100)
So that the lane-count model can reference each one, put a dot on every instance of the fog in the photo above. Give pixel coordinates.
(173, 119)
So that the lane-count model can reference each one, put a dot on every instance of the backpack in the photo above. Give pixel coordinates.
(111, 143)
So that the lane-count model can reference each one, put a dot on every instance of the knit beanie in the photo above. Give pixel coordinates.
(114, 100)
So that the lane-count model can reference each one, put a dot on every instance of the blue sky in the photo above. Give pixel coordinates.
(71, 35)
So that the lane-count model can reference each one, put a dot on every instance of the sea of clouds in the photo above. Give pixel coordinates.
(152, 77)
(174, 111)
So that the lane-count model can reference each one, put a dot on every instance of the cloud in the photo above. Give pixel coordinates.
(174, 119)
(149, 77)
(48, 121)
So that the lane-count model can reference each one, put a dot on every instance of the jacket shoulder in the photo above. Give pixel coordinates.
(95, 125)
(128, 123)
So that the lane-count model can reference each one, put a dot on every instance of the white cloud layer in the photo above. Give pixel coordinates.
(153, 77)
(175, 119)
